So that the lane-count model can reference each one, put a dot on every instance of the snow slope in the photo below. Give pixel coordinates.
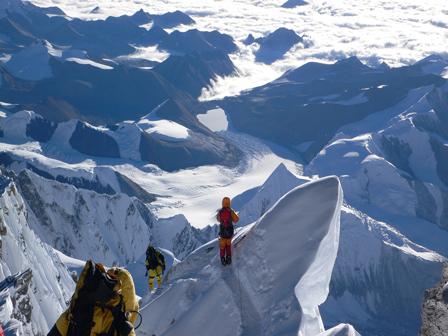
(278, 183)
(341, 330)
(370, 285)
(33, 307)
(281, 272)
(379, 279)
(392, 166)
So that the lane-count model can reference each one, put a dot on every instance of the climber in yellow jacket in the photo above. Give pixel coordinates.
(104, 303)
(155, 266)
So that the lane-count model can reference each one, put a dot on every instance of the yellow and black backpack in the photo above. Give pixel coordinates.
(104, 303)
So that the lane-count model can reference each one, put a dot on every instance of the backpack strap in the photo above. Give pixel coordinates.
(120, 325)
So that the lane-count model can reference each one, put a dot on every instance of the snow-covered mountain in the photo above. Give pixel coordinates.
(115, 135)
(34, 303)
(115, 229)
(379, 278)
(393, 164)
(262, 198)
(83, 224)
(155, 138)
(280, 274)
(370, 285)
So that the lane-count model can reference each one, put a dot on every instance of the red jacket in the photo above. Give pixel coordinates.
(1, 331)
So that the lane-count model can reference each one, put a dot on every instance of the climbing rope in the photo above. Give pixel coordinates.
(240, 292)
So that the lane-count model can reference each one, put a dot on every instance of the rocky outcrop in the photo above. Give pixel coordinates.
(435, 309)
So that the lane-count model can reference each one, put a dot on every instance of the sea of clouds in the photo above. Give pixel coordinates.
(398, 32)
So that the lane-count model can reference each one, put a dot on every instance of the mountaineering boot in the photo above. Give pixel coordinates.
(223, 261)
(229, 260)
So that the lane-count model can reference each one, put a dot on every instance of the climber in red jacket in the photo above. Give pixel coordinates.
(226, 217)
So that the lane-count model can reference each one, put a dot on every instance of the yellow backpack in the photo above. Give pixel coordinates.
(104, 303)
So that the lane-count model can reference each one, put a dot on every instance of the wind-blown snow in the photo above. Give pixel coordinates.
(295, 242)
(85, 61)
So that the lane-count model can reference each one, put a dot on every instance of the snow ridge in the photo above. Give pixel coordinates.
(32, 308)
(272, 258)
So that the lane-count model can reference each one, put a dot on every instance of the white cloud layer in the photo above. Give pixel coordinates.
(397, 32)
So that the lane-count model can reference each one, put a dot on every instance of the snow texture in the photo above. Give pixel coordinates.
(216, 120)
(83, 224)
(374, 263)
(33, 308)
(290, 250)
(341, 330)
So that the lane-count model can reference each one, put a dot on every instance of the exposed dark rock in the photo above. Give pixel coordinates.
(432, 124)
(141, 17)
(172, 19)
(441, 154)
(249, 39)
(444, 216)
(438, 98)
(84, 92)
(435, 309)
(88, 140)
(96, 10)
(172, 110)
(127, 186)
(5, 159)
(290, 110)
(198, 41)
(426, 207)
(192, 72)
(197, 150)
(40, 172)
(146, 214)
(397, 152)
(52, 10)
(132, 189)
(78, 182)
(40, 129)
(190, 238)
(166, 20)
(16, 33)
(4, 181)
(30, 194)
(276, 44)
(294, 3)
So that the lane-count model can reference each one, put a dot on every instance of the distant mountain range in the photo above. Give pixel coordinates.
(98, 139)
